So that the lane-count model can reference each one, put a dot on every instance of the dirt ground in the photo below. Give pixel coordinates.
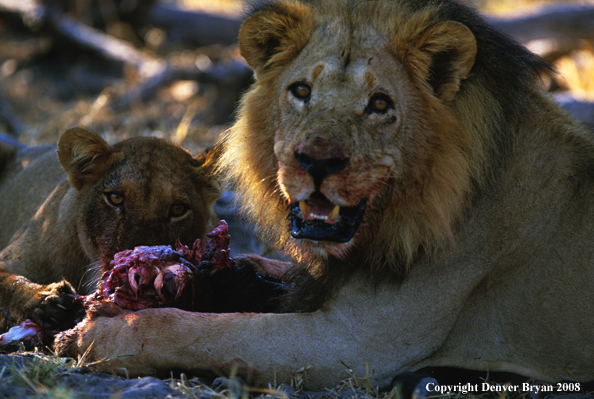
(80, 383)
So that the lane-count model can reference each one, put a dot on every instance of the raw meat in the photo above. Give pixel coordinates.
(158, 276)
(27, 332)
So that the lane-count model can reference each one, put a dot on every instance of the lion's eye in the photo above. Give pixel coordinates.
(379, 103)
(301, 90)
(114, 199)
(178, 210)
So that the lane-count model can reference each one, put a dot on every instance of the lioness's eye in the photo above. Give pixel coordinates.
(114, 199)
(178, 210)
(300, 90)
(379, 103)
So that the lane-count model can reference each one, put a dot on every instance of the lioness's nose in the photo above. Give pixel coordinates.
(319, 169)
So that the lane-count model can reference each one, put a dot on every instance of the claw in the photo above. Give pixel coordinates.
(132, 274)
(159, 285)
(61, 306)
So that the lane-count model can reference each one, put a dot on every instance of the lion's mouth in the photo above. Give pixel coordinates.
(318, 219)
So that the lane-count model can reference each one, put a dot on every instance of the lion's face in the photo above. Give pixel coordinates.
(341, 142)
(356, 123)
(142, 191)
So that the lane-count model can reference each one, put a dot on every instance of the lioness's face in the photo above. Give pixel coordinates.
(150, 195)
(340, 142)
(142, 191)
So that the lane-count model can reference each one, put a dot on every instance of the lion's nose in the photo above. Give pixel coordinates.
(319, 169)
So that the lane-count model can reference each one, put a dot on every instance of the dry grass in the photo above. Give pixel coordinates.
(51, 98)
(41, 377)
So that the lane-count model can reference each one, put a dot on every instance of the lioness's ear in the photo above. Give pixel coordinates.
(444, 55)
(83, 155)
(209, 171)
(275, 34)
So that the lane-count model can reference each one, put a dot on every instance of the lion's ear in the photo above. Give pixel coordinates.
(275, 34)
(83, 155)
(208, 169)
(445, 54)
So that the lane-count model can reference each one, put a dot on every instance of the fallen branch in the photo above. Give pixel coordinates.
(233, 77)
(552, 32)
(153, 72)
(35, 15)
(193, 28)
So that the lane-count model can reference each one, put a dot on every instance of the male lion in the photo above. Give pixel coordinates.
(55, 225)
(439, 204)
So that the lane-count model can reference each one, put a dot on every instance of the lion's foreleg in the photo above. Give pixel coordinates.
(379, 334)
(49, 306)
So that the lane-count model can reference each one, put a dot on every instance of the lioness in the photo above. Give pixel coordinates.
(59, 214)
(440, 205)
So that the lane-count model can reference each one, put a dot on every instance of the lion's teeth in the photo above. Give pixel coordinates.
(305, 209)
(306, 212)
(333, 216)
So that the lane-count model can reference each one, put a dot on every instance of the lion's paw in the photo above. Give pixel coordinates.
(66, 343)
(54, 306)
(92, 336)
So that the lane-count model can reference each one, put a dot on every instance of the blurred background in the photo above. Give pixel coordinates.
(171, 68)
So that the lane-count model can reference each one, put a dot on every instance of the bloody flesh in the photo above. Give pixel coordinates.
(27, 332)
(157, 276)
